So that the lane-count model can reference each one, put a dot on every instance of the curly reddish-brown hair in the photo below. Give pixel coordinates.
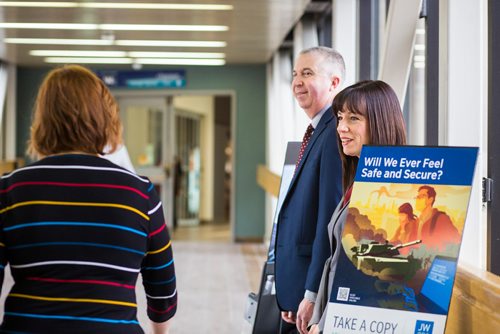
(74, 112)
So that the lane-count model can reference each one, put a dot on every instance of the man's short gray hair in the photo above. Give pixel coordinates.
(332, 60)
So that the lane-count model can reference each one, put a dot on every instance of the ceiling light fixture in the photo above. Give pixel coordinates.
(143, 61)
(77, 53)
(90, 26)
(163, 27)
(419, 47)
(174, 61)
(200, 44)
(131, 54)
(61, 26)
(87, 60)
(58, 41)
(146, 54)
(72, 4)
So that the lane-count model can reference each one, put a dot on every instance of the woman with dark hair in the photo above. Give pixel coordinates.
(368, 113)
(77, 229)
(408, 225)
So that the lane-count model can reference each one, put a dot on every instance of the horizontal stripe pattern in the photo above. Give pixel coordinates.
(65, 317)
(159, 267)
(77, 230)
(76, 185)
(89, 224)
(81, 263)
(73, 300)
(163, 297)
(77, 167)
(110, 205)
(80, 281)
(161, 249)
(89, 244)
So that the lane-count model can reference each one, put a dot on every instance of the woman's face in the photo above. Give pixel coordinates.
(353, 132)
(403, 217)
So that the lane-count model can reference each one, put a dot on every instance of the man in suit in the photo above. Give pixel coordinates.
(302, 244)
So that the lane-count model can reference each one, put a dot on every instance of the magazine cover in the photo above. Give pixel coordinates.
(401, 240)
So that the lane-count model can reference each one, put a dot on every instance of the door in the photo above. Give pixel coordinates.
(147, 134)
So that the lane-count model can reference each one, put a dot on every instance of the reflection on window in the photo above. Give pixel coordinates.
(415, 108)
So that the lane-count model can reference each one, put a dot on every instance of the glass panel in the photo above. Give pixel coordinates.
(189, 159)
(143, 135)
(415, 115)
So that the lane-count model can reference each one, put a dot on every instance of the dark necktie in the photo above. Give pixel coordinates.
(305, 141)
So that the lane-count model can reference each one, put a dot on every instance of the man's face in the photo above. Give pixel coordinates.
(312, 86)
(423, 200)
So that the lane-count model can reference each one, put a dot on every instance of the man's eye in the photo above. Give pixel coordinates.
(307, 74)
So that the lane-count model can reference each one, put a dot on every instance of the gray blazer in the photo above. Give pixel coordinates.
(335, 228)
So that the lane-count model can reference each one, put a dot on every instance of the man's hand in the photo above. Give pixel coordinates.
(288, 317)
(304, 314)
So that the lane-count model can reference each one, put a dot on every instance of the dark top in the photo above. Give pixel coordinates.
(302, 245)
(76, 231)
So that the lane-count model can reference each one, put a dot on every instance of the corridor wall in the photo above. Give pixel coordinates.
(248, 82)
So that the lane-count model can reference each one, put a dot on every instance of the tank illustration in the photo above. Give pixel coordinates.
(385, 261)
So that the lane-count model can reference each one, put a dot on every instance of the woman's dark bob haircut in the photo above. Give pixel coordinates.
(378, 103)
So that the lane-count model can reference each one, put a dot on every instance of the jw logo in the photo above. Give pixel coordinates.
(424, 327)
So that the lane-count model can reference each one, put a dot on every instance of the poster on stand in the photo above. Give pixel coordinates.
(292, 152)
(401, 240)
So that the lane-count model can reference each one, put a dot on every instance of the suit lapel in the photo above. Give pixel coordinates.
(322, 125)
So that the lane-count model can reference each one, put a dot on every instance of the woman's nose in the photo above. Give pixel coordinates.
(341, 127)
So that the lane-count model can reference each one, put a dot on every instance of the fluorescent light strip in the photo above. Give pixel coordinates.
(67, 4)
(200, 44)
(419, 47)
(38, 4)
(89, 26)
(83, 60)
(57, 41)
(419, 64)
(144, 61)
(174, 61)
(131, 54)
(162, 27)
(145, 54)
(63, 26)
(77, 53)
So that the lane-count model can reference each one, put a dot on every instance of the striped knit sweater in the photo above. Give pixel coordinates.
(76, 231)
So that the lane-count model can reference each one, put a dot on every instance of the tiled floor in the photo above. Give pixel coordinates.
(214, 277)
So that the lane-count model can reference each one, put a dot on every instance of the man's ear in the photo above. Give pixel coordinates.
(335, 82)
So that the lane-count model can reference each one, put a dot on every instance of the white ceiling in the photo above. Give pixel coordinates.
(256, 28)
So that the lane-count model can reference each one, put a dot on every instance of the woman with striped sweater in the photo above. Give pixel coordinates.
(76, 229)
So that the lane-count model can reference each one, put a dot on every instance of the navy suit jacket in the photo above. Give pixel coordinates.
(302, 244)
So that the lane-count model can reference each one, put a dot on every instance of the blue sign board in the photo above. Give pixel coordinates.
(143, 79)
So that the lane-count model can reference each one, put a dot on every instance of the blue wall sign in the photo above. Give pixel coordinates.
(143, 79)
